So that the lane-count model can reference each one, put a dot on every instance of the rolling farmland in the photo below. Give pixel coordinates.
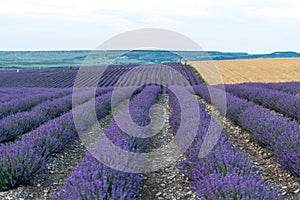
(256, 154)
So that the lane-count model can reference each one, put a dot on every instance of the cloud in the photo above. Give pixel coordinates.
(276, 13)
(115, 11)
(215, 22)
(31, 8)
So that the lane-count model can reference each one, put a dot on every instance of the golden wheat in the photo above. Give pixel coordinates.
(251, 70)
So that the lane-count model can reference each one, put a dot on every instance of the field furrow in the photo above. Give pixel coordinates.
(23, 159)
(279, 134)
(286, 104)
(105, 182)
(270, 170)
(224, 165)
(19, 105)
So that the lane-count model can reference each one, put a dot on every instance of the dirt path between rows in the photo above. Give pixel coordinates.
(166, 183)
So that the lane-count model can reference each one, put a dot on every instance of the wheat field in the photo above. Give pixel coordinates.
(251, 70)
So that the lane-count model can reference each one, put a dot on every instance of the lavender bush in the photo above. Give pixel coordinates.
(20, 160)
(288, 87)
(225, 173)
(19, 105)
(287, 104)
(65, 78)
(279, 134)
(93, 180)
(20, 123)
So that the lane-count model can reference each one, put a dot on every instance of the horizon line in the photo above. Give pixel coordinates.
(57, 50)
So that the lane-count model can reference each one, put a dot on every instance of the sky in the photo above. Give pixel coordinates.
(254, 26)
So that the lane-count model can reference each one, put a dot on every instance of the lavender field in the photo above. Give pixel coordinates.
(42, 156)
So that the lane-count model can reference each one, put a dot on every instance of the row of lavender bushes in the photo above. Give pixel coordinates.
(8, 94)
(188, 73)
(287, 87)
(25, 90)
(225, 173)
(26, 103)
(4, 98)
(22, 159)
(279, 134)
(22, 122)
(62, 78)
(287, 104)
(92, 179)
(160, 74)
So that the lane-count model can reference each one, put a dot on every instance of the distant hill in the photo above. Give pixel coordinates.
(44, 59)
(287, 54)
(229, 56)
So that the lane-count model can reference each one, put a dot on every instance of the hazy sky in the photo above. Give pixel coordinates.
(225, 25)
